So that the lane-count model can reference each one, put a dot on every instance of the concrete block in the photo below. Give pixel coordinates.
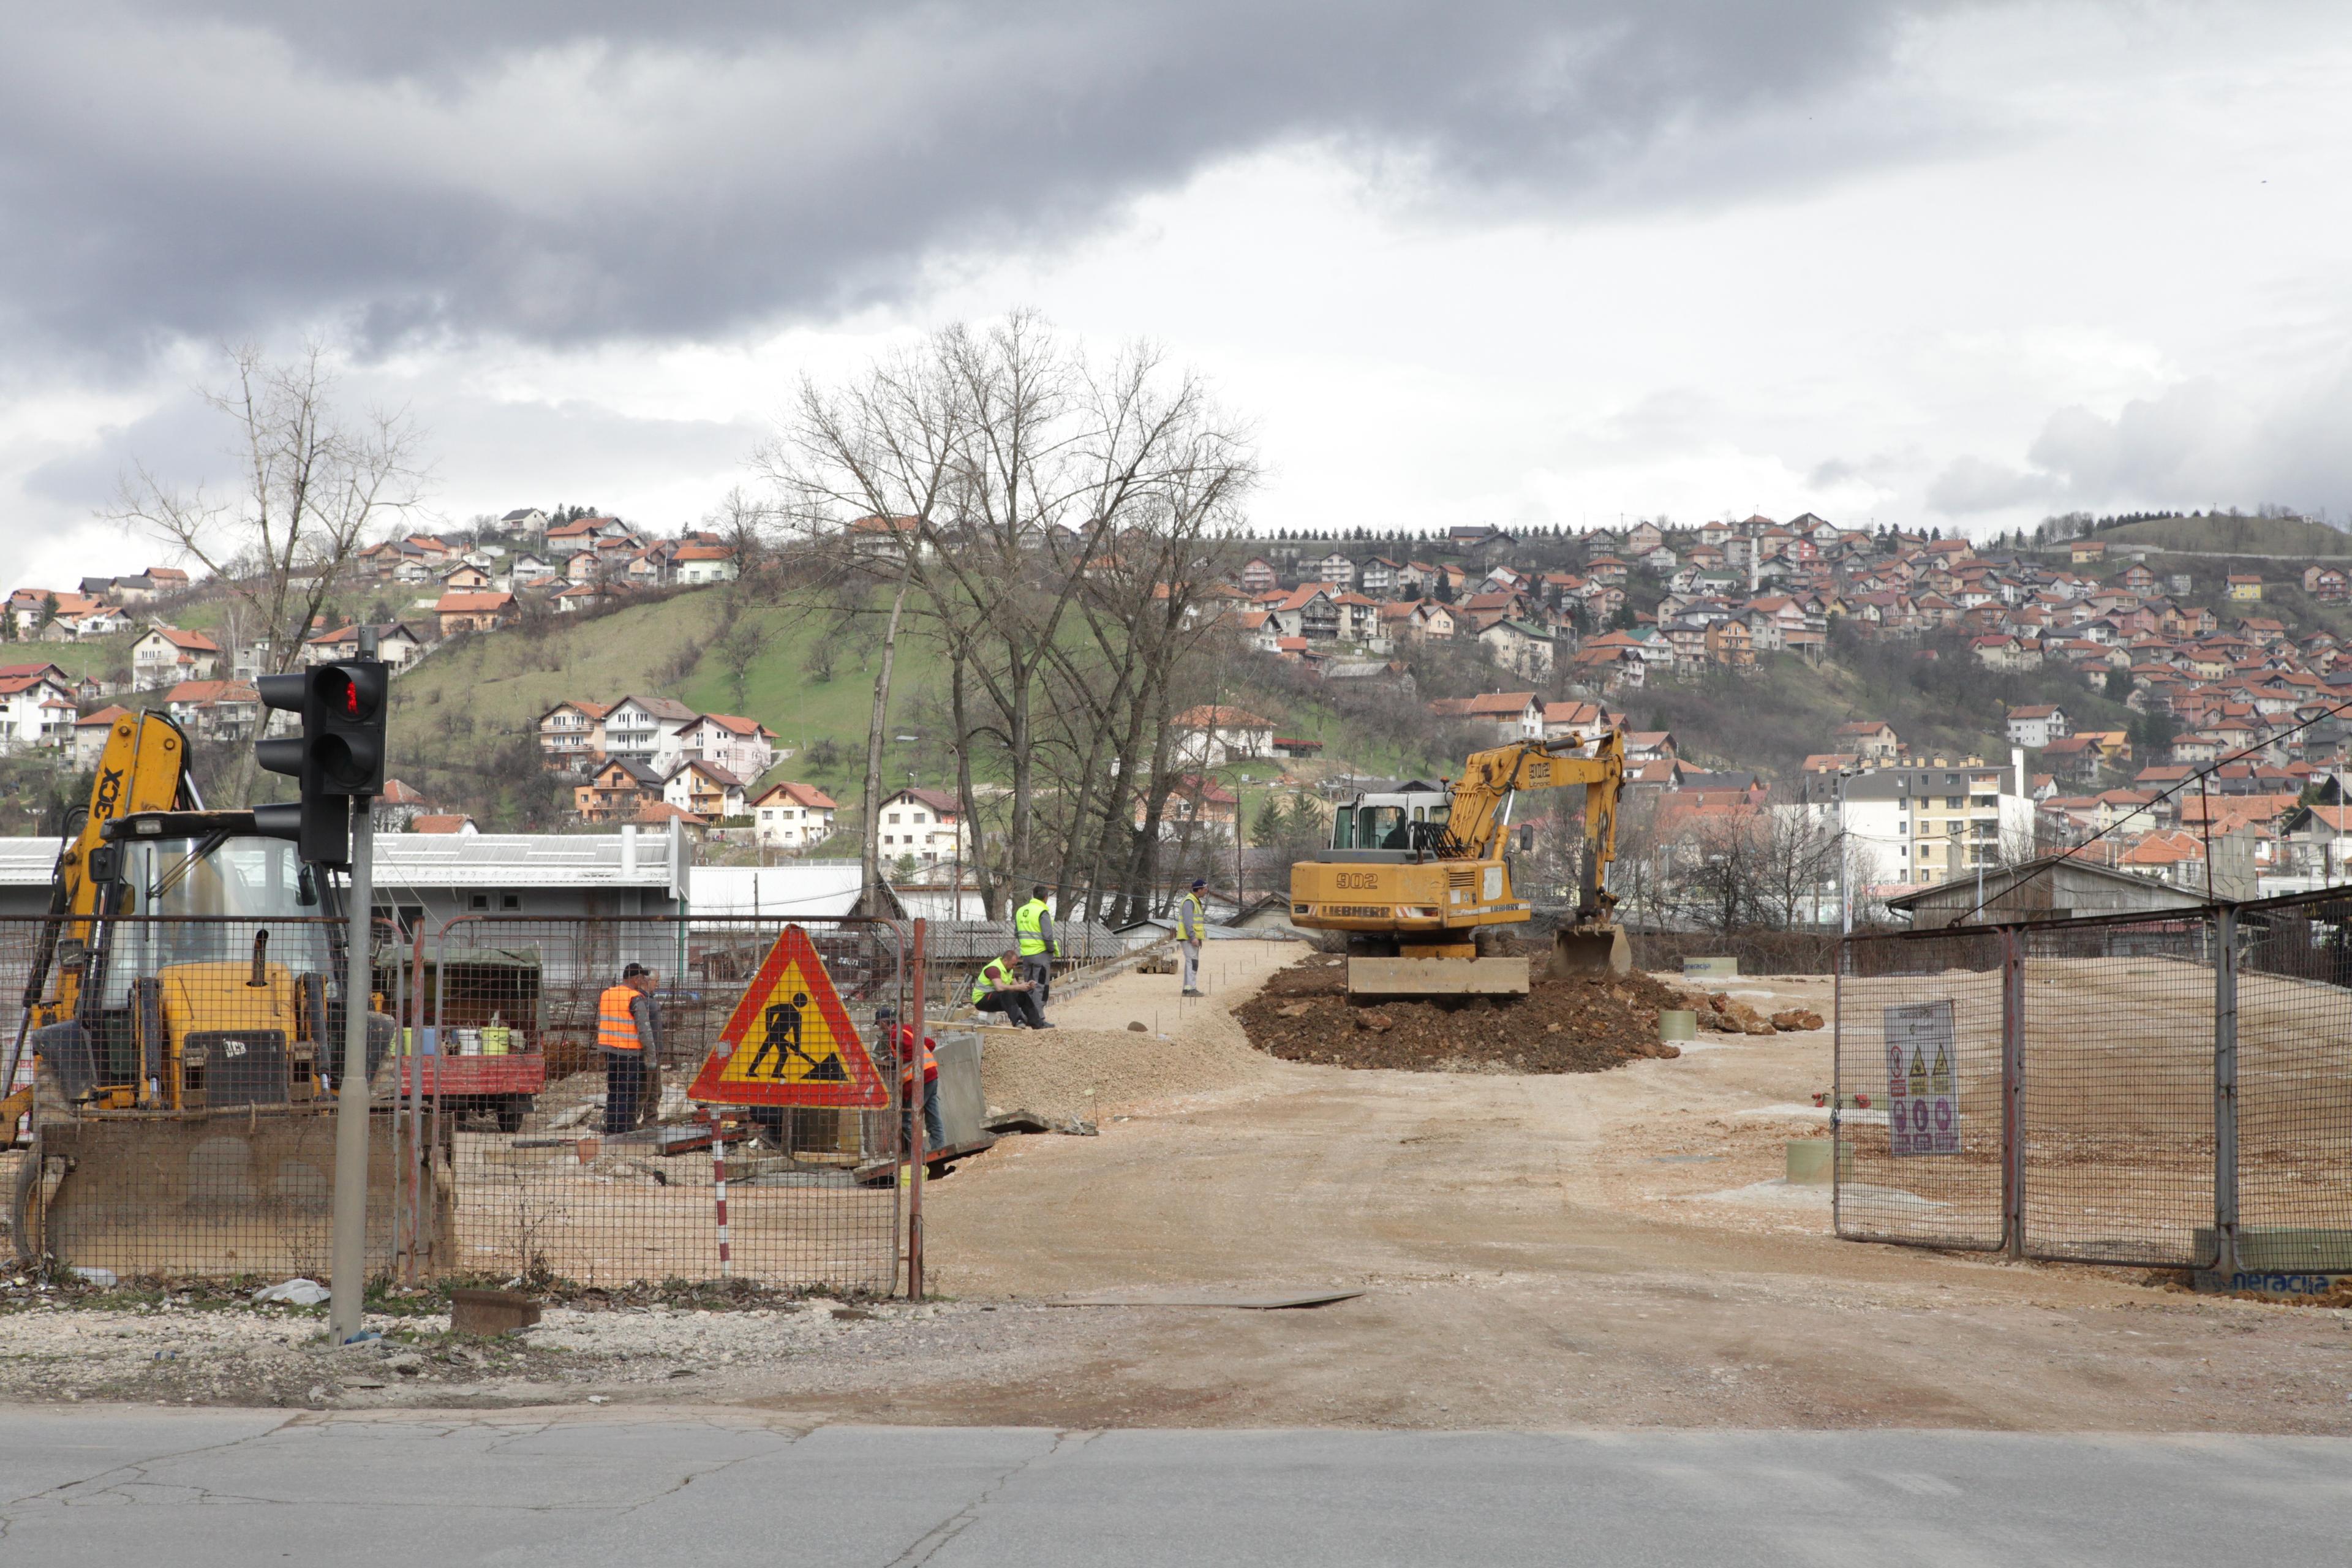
(1809, 1162)
(1711, 968)
(1437, 977)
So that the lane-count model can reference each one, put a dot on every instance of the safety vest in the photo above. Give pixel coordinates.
(988, 980)
(1188, 918)
(1029, 923)
(616, 1026)
(907, 1055)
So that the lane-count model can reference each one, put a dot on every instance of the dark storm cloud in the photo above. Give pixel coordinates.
(595, 169)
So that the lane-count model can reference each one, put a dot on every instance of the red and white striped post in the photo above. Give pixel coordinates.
(718, 1185)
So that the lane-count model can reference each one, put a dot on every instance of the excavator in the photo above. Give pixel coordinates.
(184, 1014)
(1417, 881)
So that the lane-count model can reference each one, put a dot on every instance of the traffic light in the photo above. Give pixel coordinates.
(337, 757)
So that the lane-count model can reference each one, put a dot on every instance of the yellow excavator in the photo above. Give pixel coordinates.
(184, 1017)
(1417, 881)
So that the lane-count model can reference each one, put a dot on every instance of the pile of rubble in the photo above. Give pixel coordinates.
(1726, 1015)
(1561, 1026)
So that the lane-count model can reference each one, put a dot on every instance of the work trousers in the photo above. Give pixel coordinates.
(1037, 968)
(935, 1133)
(1018, 1006)
(1191, 965)
(624, 1081)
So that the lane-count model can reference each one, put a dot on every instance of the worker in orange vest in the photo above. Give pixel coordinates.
(901, 1042)
(628, 1031)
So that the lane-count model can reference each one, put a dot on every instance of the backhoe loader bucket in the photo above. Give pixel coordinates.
(243, 1191)
(1580, 953)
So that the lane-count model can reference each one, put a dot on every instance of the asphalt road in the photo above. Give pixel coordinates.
(192, 1488)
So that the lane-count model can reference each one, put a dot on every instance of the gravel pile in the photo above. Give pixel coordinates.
(1065, 1072)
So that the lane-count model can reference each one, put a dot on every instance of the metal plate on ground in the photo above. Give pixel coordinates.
(1260, 1303)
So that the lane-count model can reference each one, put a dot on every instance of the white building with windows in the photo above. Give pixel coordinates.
(926, 823)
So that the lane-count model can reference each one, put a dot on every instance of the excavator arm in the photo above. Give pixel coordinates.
(1480, 806)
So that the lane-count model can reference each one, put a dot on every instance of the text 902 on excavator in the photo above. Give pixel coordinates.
(1417, 882)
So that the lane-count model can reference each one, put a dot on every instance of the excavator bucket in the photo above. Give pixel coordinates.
(1580, 953)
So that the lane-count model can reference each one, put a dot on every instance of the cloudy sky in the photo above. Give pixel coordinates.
(1950, 264)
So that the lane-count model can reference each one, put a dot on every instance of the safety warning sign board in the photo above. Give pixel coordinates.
(1923, 1079)
(790, 1040)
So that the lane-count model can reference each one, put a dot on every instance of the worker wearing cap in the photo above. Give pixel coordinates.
(1191, 929)
(1032, 925)
(900, 1039)
(628, 1032)
(997, 991)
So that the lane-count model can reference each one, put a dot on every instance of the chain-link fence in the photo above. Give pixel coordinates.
(185, 1120)
(2169, 1089)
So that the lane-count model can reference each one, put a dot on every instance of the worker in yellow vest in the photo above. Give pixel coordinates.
(1033, 926)
(628, 1033)
(996, 991)
(1192, 931)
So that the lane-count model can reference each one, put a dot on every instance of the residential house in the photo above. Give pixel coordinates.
(618, 790)
(1378, 580)
(2035, 725)
(92, 731)
(2326, 584)
(884, 538)
(1871, 740)
(525, 520)
(646, 729)
(165, 655)
(397, 643)
(454, 823)
(1731, 644)
(1520, 648)
(465, 578)
(705, 789)
(37, 709)
(214, 709)
(473, 612)
(744, 747)
(926, 823)
(1197, 808)
(525, 568)
(2245, 587)
(699, 564)
(1211, 735)
(1260, 577)
(1507, 715)
(571, 735)
(1336, 570)
(1307, 611)
(790, 816)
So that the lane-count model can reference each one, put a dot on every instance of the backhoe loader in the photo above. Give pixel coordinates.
(1417, 880)
(183, 1012)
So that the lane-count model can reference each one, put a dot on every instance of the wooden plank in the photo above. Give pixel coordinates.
(1438, 976)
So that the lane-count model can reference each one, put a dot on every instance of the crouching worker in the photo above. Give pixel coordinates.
(901, 1041)
(996, 990)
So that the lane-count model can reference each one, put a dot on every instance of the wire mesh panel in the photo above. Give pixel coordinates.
(2118, 1119)
(184, 1074)
(1919, 1039)
(570, 1161)
(2295, 1085)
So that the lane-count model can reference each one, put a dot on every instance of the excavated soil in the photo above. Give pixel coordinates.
(1561, 1026)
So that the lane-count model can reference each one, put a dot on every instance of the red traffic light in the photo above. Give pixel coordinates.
(341, 697)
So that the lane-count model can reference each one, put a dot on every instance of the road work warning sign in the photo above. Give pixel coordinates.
(1923, 1079)
(789, 1041)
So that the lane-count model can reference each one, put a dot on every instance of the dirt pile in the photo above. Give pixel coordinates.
(1561, 1026)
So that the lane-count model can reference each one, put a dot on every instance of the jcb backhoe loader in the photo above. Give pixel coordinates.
(1417, 882)
(184, 1014)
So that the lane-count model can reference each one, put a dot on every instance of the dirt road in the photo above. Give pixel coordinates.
(1606, 1250)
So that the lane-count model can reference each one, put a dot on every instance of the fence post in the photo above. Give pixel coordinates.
(911, 1115)
(2225, 1091)
(2013, 1091)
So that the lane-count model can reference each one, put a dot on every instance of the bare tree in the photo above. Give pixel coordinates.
(737, 645)
(315, 483)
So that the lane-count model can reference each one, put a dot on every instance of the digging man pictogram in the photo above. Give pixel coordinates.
(781, 1033)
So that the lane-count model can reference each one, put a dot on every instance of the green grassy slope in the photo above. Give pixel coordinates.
(2255, 535)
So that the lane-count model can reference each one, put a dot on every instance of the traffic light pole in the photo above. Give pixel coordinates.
(349, 1245)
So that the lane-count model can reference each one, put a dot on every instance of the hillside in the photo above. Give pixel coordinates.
(457, 718)
(2287, 536)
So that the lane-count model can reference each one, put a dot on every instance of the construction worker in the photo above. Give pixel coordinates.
(1192, 931)
(901, 1041)
(1032, 925)
(997, 991)
(628, 1031)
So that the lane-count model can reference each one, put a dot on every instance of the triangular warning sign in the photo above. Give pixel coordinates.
(789, 1041)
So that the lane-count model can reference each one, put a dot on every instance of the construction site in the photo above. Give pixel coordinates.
(1410, 1158)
